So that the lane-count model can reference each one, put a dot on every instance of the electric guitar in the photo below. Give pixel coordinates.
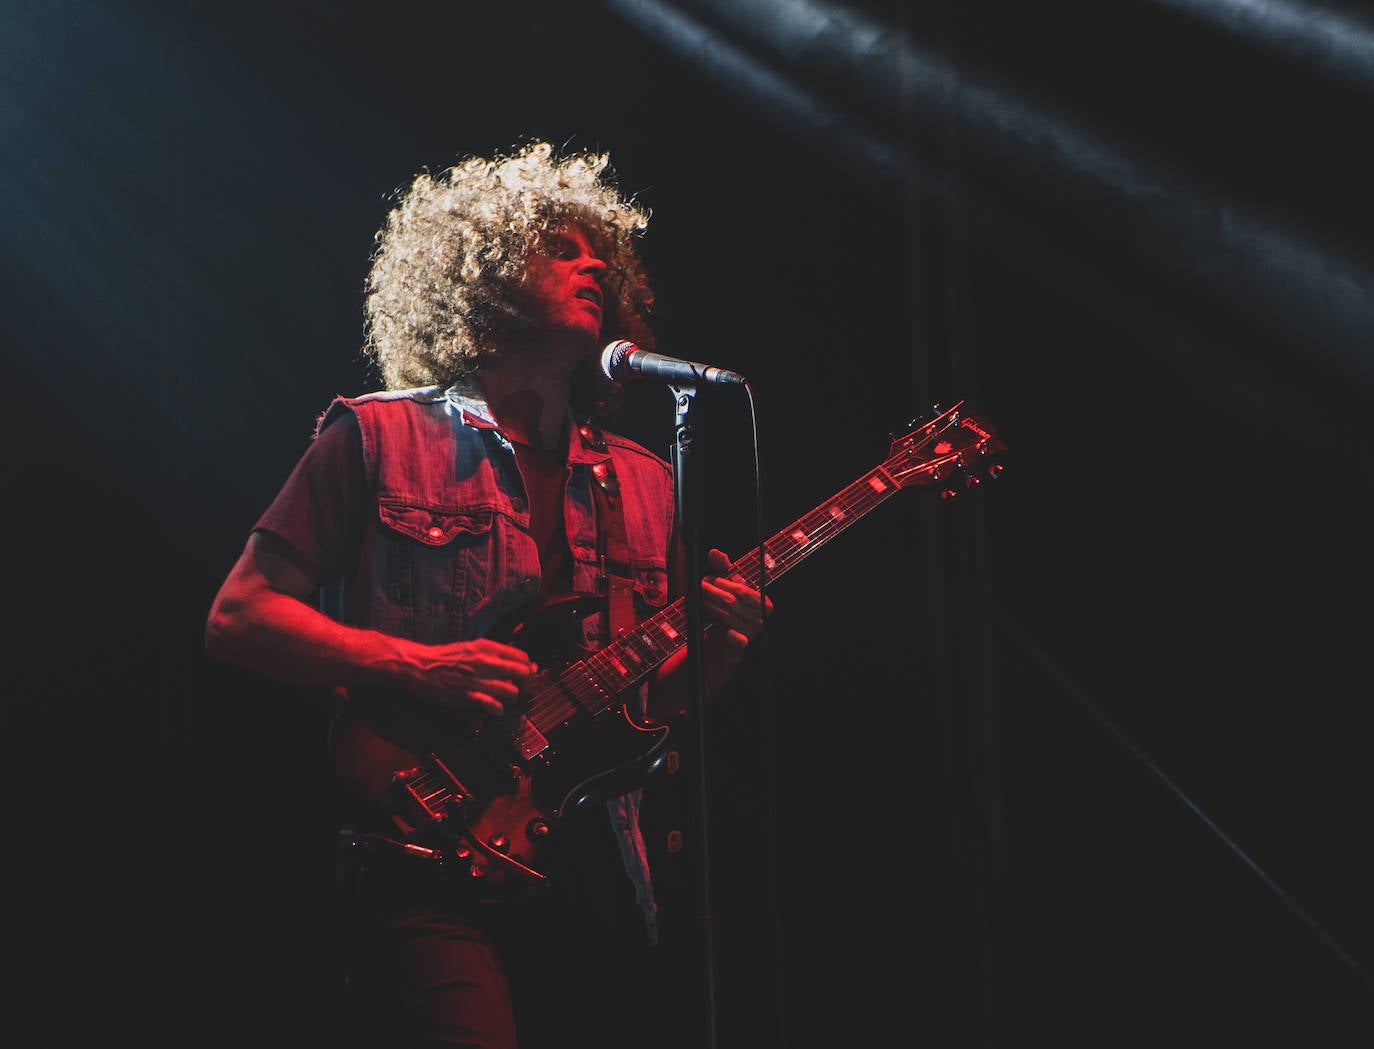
(488, 802)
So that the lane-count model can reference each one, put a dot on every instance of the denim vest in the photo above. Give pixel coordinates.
(449, 555)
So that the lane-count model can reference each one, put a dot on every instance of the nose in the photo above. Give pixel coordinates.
(592, 264)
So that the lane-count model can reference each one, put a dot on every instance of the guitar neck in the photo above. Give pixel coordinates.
(955, 448)
(629, 658)
(804, 536)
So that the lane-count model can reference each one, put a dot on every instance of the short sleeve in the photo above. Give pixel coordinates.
(321, 509)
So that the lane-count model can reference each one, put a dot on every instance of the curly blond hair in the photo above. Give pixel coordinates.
(444, 281)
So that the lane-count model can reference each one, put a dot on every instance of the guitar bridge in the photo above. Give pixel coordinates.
(429, 791)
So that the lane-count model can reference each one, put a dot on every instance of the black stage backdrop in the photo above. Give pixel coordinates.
(1080, 756)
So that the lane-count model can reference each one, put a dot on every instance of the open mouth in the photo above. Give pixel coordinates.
(592, 295)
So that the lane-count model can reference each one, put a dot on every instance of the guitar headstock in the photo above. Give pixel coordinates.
(954, 449)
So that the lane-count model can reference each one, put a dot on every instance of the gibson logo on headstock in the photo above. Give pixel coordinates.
(970, 424)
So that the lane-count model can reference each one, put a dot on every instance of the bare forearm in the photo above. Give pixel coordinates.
(286, 639)
(261, 620)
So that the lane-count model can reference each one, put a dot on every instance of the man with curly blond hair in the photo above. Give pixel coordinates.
(451, 554)
(444, 290)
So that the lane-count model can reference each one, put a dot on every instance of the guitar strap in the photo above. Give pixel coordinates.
(614, 552)
(616, 582)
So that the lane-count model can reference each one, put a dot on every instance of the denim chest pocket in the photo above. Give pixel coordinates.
(432, 527)
(452, 574)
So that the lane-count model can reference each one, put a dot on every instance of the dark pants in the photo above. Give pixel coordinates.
(566, 966)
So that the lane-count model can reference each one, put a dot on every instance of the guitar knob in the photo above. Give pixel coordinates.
(499, 842)
(468, 861)
(537, 828)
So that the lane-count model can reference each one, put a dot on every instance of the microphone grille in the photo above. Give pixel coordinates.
(614, 355)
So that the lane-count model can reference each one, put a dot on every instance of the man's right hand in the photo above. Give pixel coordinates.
(482, 677)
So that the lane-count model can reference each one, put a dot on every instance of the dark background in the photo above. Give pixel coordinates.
(1081, 757)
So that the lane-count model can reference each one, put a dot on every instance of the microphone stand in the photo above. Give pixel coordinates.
(688, 513)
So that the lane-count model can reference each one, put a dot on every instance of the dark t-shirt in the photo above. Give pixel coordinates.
(322, 508)
(546, 473)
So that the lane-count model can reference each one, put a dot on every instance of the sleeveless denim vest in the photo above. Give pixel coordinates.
(449, 555)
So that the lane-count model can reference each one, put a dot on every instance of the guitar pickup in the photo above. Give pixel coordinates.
(528, 740)
(430, 790)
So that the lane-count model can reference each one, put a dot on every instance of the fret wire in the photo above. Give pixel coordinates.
(649, 640)
(627, 646)
(604, 661)
(608, 675)
(819, 526)
(812, 528)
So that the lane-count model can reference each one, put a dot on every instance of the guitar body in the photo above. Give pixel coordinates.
(493, 801)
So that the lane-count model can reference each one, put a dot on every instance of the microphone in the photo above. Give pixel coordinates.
(623, 360)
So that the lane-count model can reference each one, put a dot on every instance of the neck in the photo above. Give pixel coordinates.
(528, 394)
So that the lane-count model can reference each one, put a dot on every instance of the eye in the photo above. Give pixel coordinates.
(557, 246)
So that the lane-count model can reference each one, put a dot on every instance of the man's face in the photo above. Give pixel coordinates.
(563, 282)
